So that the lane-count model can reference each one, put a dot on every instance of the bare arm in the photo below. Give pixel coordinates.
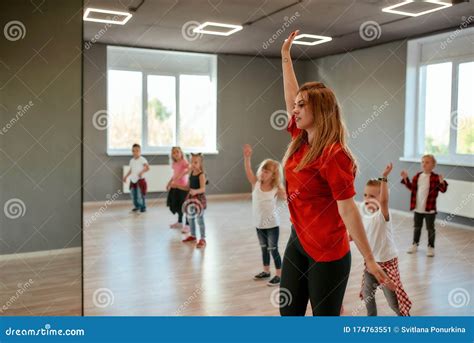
(281, 194)
(384, 192)
(248, 164)
(146, 168)
(290, 84)
(127, 175)
(351, 218)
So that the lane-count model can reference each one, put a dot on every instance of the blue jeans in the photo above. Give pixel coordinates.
(138, 198)
(268, 239)
(200, 221)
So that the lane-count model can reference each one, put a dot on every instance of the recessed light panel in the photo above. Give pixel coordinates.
(307, 39)
(105, 16)
(219, 29)
(416, 8)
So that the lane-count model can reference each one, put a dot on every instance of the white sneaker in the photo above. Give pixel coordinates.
(412, 249)
(430, 252)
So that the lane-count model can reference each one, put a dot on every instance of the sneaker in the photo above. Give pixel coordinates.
(189, 239)
(262, 276)
(185, 229)
(201, 244)
(134, 209)
(430, 252)
(412, 249)
(143, 210)
(275, 281)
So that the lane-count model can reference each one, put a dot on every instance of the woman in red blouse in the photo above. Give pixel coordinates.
(319, 172)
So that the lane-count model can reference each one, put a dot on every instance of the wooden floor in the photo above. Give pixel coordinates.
(137, 265)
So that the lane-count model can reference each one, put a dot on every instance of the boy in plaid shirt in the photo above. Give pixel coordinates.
(425, 187)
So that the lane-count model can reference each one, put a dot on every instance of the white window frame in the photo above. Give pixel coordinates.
(165, 150)
(414, 100)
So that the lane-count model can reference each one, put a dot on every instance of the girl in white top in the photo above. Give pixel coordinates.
(266, 188)
(377, 223)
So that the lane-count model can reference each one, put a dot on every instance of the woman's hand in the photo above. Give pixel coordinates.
(404, 174)
(380, 275)
(387, 170)
(247, 150)
(285, 48)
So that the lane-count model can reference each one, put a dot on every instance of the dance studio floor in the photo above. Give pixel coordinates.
(137, 265)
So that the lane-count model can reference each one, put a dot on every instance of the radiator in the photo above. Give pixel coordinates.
(458, 199)
(157, 178)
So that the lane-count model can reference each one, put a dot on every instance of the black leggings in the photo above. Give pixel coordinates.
(303, 279)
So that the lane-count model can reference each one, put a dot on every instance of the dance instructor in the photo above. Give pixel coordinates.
(319, 172)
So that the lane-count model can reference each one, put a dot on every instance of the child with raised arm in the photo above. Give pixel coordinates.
(138, 187)
(266, 188)
(378, 227)
(425, 187)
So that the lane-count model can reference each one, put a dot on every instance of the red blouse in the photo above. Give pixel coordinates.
(312, 194)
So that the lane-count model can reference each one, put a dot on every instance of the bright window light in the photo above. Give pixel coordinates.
(396, 9)
(315, 39)
(231, 28)
(119, 18)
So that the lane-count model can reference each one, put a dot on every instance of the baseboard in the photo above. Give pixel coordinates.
(210, 197)
(42, 253)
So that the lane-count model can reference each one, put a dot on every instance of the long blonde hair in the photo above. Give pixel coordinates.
(177, 148)
(275, 168)
(328, 124)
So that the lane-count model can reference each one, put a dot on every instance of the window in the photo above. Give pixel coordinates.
(160, 99)
(439, 103)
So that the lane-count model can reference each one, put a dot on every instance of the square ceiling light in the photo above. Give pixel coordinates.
(416, 8)
(105, 16)
(219, 29)
(307, 39)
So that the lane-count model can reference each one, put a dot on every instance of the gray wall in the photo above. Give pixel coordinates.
(249, 91)
(364, 79)
(40, 152)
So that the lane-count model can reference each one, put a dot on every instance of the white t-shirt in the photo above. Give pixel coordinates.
(423, 188)
(379, 234)
(265, 214)
(136, 166)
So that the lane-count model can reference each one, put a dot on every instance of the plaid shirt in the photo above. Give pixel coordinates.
(435, 188)
(391, 269)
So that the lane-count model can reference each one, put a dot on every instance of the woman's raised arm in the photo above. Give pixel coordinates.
(290, 84)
